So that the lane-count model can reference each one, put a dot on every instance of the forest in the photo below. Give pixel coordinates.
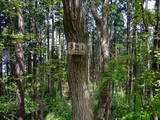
(79, 59)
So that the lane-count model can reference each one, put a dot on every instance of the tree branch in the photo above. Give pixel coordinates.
(105, 9)
(95, 14)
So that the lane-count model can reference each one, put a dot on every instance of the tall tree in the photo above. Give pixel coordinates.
(19, 66)
(75, 31)
(156, 44)
(103, 110)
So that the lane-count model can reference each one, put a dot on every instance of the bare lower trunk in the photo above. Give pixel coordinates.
(103, 112)
(1, 71)
(20, 100)
(19, 71)
(75, 31)
(79, 88)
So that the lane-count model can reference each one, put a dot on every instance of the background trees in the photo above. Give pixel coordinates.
(122, 37)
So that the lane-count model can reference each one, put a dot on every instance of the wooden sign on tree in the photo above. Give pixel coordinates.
(76, 48)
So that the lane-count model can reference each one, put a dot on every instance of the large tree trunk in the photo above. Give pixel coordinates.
(19, 68)
(75, 31)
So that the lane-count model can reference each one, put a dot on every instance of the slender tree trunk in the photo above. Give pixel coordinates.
(103, 111)
(75, 31)
(48, 45)
(1, 76)
(19, 68)
(1, 69)
(60, 58)
(53, 56)
(129, 80)
(30, 65)
(156, 44)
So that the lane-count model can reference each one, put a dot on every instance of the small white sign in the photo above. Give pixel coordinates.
(76, 48)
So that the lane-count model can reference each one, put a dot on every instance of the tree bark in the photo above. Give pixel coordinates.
(103, 111)
(156, 46)
(75, 31)
(53, 55)
(1, 69)
(19, 68)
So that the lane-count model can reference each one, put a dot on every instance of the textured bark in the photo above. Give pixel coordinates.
(129, 81)
(19, 68)
(95, 66)
(53, 56)
(103, 111)
(75, 31)
(156, 44)
(1, 70)
(1, 76)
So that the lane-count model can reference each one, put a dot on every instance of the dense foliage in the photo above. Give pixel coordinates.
(133, 66)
